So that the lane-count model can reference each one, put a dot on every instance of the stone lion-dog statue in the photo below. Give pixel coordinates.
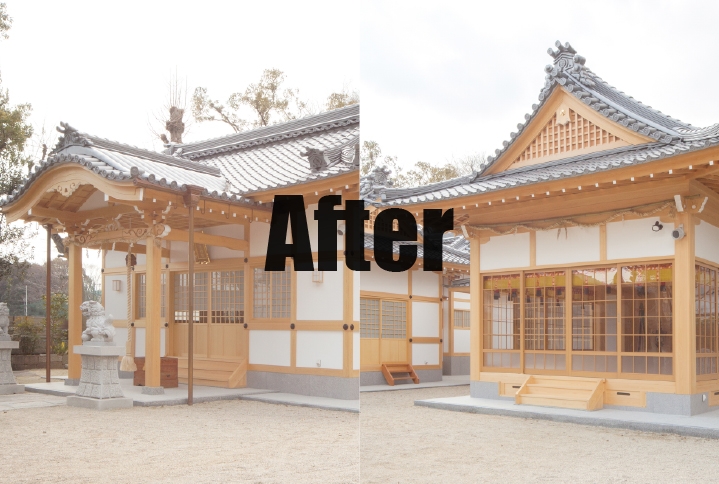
(99, 326)
(4, 321)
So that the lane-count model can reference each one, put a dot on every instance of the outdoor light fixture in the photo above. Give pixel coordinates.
(678, 233)
(341, 229)
(317, 276)
(117, 285)
(657, 226)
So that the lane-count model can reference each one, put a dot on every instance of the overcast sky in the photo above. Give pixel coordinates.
(443, 79)
(104, 67)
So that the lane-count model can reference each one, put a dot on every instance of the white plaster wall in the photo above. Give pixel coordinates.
(425, 319)
(505, 251)
(461, 295)
(323, 346)
(707, 241)
(140, 341)
(356, 350)
(463, 305)
(356, 281)
(259, 235)
(635, 238)
(577, 244)
(320, 301)
(233, 231)
(445, 322)
(380, 280)
(461, 341)
(270, 347)
(425, 354)
(425, 283)
(114, 258)
(178, 251)
(96, 200)
(116, 301)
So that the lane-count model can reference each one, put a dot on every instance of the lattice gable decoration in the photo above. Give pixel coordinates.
(567, 132)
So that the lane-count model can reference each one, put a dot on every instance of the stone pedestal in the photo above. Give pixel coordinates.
(99, 382)
(8, 384)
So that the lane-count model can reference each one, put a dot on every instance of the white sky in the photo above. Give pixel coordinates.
(443, 79)
(104, 67)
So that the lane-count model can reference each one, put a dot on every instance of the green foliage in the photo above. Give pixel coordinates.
(27, 331)
(265, 99)
(15, 131)
(5, 21)
(341, 99)
(58, 321)
(422, 172)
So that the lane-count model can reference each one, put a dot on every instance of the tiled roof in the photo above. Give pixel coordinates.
(673, 137)
(455, 250)
(553, 170)
(277, 156)
(227, 168)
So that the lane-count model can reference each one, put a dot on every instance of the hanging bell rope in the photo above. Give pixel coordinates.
(128, 361)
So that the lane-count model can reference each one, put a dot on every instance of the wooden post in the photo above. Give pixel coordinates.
(48, 297)
(74, 315)
(475, 307)
(192, 197)
(153, 322)
(684, 310)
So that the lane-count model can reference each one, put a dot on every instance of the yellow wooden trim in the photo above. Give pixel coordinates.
(577, 265)
(546, 113)
(475, 328)
(68, 174)
(214, 240)
(397, 296)
(74, 315)
(684, 329)
(296, 370)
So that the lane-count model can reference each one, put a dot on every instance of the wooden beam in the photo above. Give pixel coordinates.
(207, 239)
(136, 248)
(66, 217)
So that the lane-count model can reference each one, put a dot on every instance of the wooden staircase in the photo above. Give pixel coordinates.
(396, 371)
(212, 372)
(563, 392)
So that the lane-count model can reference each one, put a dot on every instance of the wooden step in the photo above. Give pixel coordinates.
(564, 392)
(391, 371)
(215, 373)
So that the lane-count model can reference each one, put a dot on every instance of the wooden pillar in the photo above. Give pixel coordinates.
(348, 318)
(153, 323)
(74, 316)
(684, 310)
(475, 307)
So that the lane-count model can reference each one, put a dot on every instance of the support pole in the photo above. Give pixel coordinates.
(153, 324)
(48, 295)
(74, 315)
(191, 199)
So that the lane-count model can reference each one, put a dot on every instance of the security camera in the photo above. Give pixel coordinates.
(341, 229)
(678, 233)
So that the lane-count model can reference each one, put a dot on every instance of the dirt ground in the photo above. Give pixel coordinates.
(228, 441)
(402, 443)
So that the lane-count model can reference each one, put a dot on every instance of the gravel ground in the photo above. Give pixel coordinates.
(228, 441)
(404, 443)
(37, 375)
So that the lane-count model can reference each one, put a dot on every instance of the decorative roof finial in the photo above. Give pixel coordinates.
(70, 136)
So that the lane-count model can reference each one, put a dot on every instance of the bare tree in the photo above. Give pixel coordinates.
(346, 97)
(169, 119)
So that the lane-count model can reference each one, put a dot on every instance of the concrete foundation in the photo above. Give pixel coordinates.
(664, 403)
(8, 384)
(99, 403)
(10, 388)
(377, 378)
(312, 385)
(455, 365)
(153, 390)
(72, 382)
